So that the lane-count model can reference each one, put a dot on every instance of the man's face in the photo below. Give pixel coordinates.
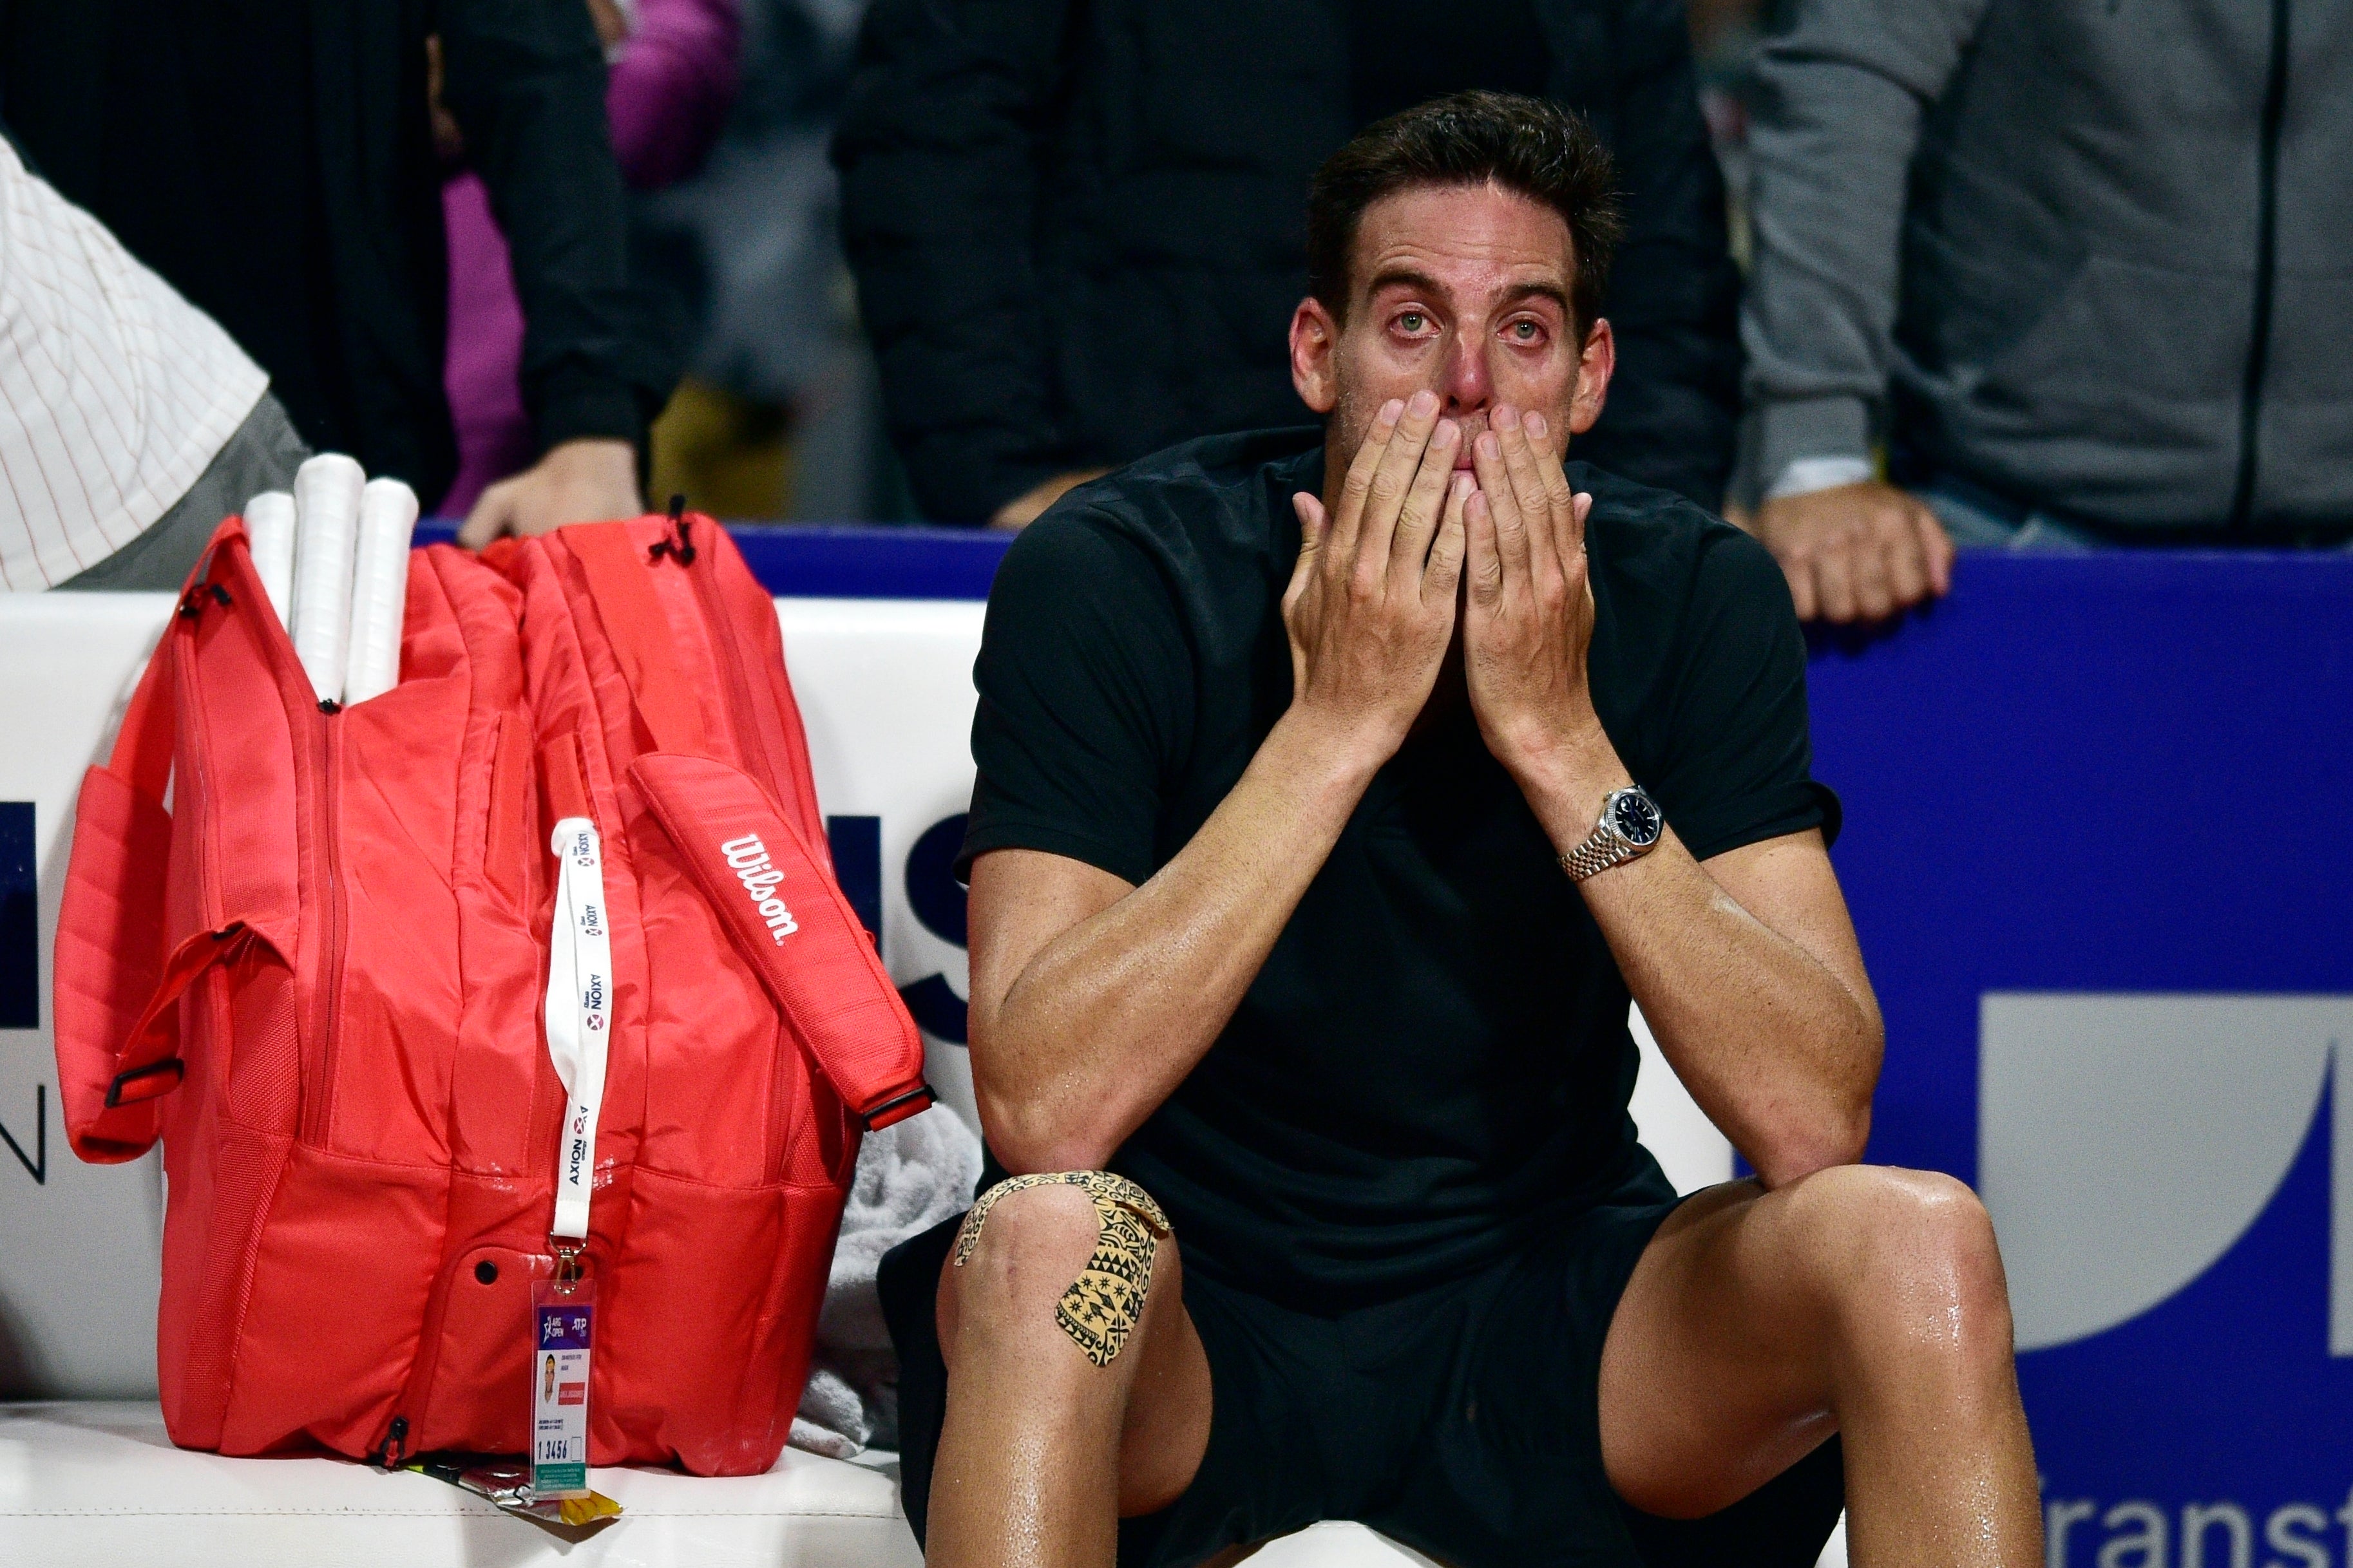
(1463, 290)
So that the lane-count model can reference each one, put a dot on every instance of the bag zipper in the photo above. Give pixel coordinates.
(189, 698)
(319, 1110)
(316, 1108)
(394, 1447)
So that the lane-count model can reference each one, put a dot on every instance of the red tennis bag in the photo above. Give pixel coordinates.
(319, 976)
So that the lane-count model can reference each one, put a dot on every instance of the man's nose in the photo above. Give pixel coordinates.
(1468, 387)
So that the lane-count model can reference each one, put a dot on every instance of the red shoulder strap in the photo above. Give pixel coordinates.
(789, 919)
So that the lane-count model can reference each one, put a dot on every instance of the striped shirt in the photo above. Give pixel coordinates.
(115, 393)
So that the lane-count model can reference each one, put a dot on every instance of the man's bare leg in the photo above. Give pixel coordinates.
(1042, 1451)
(1859, 1300)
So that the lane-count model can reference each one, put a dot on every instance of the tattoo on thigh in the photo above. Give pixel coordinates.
(1100, 1308)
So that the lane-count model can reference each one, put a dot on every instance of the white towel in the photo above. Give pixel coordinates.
(326, 528)
(379, 589)
(911, 1175)
(270, 525)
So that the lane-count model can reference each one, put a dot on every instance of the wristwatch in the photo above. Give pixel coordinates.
(1629, 829)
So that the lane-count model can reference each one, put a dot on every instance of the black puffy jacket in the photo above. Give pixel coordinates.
(1079, 227)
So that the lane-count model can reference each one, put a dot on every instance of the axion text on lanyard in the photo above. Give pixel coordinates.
(579, 1016)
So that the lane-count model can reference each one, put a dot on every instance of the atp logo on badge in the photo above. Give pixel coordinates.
(2171, 1179)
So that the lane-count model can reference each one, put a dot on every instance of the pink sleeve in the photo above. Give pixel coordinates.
(671, 87)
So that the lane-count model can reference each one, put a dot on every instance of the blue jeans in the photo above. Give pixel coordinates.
(1975, 519)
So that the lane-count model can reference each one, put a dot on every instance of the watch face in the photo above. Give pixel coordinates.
(1636, 819)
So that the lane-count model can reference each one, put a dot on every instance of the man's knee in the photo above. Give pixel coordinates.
(1047, 1261)
(1023, 1257)
(1910, 1259)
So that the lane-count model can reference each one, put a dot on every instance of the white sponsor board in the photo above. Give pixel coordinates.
(81, 1250)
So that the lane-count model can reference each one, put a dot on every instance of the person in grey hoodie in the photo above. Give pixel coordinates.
(2085, 266)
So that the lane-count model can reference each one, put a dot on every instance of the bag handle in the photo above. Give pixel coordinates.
(148, 1066)
(124, 1124)
(789, 917)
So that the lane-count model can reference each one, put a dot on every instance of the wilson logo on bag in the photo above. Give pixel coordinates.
(748, 858)
(336, 1017)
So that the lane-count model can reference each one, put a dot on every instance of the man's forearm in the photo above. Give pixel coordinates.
(1108, 1017)
(1778, 1048)
(1777, 1051)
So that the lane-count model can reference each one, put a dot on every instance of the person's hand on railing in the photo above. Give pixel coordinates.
(1856, 552)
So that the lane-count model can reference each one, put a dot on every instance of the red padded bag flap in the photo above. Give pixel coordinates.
(110, 946)
(791, 920)
(110, 961)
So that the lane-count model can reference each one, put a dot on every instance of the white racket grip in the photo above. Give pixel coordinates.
(269, 528)
(326, 528)
(379, 589)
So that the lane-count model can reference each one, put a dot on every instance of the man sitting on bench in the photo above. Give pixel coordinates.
(1336, 790)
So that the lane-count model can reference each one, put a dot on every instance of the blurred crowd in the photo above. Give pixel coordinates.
(1900, 275)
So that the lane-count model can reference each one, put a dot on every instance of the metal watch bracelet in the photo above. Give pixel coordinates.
(1601, 850)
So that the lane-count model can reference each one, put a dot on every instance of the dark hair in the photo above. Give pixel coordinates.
(1525, 144)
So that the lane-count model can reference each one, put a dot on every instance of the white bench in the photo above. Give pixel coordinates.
(89, 1476)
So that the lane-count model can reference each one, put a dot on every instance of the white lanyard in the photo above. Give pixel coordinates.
(580, 1012)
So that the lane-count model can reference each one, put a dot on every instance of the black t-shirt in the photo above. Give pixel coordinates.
(1435, 1056)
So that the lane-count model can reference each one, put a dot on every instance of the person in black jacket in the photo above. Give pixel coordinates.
(1076, 226)
(274, 161)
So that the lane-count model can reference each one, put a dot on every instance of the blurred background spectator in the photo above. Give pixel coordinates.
(2082, 269)
(1078, 236)
(672, 75)
(130, 423)
(1724, 34)
(778, 413)
(273, 160)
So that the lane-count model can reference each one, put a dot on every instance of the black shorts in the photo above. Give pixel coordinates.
(1462, 1421)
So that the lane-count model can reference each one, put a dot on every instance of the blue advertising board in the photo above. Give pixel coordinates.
(2099, 848)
